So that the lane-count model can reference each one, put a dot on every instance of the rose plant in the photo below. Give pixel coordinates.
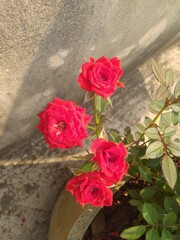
(151, 153)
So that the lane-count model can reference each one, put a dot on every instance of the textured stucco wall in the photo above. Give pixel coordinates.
(43, 44)
(32, 175)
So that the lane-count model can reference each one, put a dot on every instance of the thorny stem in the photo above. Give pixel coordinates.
(165, 147)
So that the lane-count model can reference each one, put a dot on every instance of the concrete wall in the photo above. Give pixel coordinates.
(43, 44)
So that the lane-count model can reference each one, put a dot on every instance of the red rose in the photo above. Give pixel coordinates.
(101, 76)
(110, 157)
(89, 188)
(63, 124)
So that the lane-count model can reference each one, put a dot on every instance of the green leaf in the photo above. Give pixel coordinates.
(87, 166)
(169, 171)
(159, 103)
(170, 219)
(159, 74)
(135, 202)
(177, 89)
(137, 135)
(174, 147)
(76, 171)
(166, 118)
(140, 126)
(148, 192)
(129, 158)
(162, 93)
(171, 205)
(133, 232)
(103, 134)
(89, 96)
(152, 234)
(152, 163)
(169, 78)
(127, 131)
(162, 126)
(152, 133)
(166, 235)
(141, 152)
(133, 171)
(159, 210)
(113, 135)
(176, 107)
(149, 213)
(153, 108)
(155, 150)
(178, 200)
(85, 157)
(133, 194)
(110, 102)
(103, 104)
(100, 103)
(145, 173)
(175, 118)
(147, 121)
(130, 138)
(169, 131)
(167, 140)
(177, 140)
(175, 237)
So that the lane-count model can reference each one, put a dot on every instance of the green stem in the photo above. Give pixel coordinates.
(92, 128)
(97, 123)
(92, 136)
(162, 140)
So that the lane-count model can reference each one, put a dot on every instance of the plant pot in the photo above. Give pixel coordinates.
(69, 221)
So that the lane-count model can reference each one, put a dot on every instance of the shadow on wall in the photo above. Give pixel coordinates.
(69, 42)
(55, 68)
(53, 72)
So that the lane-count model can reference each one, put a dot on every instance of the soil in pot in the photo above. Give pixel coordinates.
(111, 221)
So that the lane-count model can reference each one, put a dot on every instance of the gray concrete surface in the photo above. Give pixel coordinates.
(32, 175)
(43, 44)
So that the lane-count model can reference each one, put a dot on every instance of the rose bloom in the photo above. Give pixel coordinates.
(101, 76)
(63, 124)
(110, 157)
(89, 188)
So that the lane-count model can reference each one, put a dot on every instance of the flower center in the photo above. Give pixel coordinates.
(103, 77)
(60, 126)
(112, 159)
(94, 191)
